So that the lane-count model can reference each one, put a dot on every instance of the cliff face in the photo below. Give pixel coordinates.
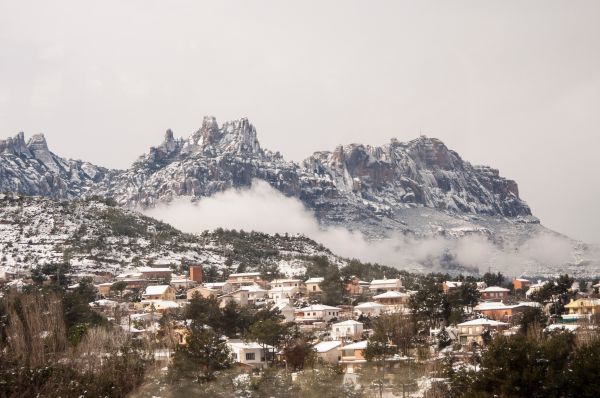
(356, 186)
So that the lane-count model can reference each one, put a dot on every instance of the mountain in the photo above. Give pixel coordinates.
(365, 188)
(30, 168)
(418, 189)
(95, 235)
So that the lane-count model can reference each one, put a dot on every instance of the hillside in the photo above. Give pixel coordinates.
(94, 235)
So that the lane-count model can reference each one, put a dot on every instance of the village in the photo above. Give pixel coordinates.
(152, 302)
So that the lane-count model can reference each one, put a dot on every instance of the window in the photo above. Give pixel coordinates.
(250, 356)
(314, 288)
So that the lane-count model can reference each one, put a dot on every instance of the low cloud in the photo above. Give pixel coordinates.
(262, 208)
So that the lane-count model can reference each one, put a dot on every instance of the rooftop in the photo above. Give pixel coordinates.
(158, 289)
(325, 346)
(361, 345)
(495, 289)
(482, 322)
(319, 307)
(391, 294)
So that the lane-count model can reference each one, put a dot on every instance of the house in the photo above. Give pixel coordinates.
(156, 274)
(286, 310)
(255, 293)
(521, 283)
(246, 279)
(104, 288)
(221, 287)
(500, 311)
(249, 353)
(385, 285)
(353, 356)
(202, 291)
(288, 283)
(180, 282)
(471, 331)
(134, 280)
(283, 293)
(495, 293)
(349, 329)
(369, 308)
(313, 285)
(239, 296)
(584, 306)
(317, 312)
(393, 301)
(159, 292)
(328, 351)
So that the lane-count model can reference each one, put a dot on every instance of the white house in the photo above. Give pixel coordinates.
(290, 282)
(393, 301)
(239, 296)
(385, 285)
(328, 351)
(249, 353)
(471, 331)
(313, 285)
(283, 293)
(255, 293)
(159, 292)
(369, 308)
(346, 330)
(317, 312)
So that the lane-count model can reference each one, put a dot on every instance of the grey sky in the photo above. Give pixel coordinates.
(512, 84)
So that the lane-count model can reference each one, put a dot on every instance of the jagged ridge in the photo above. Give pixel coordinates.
(361, 187)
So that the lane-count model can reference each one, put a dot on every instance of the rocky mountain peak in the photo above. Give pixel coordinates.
(15, 145)
(433, 153)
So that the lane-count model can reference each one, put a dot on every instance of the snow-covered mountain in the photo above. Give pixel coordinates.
(418, 188)
(371, 189)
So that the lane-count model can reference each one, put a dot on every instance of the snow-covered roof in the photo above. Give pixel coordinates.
(368, 304)
(495, 289)
(384, 282)
(215, 285)
(156, 289)
(361, 345)
(319, 307)
(245, 345)
(482, 322)
(253, 289)
(391, 294)
(325, 346)
(349, 322)
(453, 283)
(314, 280)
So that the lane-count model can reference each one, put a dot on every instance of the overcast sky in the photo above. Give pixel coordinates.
(511, 84)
